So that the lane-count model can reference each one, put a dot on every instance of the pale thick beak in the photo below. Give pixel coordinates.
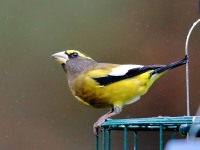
(60, 57)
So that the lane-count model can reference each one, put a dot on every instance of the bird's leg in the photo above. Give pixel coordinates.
(116, 110)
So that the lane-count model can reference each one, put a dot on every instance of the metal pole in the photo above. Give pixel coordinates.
(135, 140)
(125, 138)
(97, 139)
(103, 139)
(109, 139)
(161, 137)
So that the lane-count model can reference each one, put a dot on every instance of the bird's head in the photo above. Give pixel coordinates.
(68, 55)
(73, 61)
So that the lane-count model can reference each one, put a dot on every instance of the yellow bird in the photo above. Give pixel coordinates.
(106, 85)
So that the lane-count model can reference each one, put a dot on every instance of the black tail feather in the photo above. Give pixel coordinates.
(171, 66)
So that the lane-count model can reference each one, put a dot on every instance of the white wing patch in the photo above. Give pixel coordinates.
(123, 69)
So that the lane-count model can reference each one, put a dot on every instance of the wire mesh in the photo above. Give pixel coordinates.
(180, 124)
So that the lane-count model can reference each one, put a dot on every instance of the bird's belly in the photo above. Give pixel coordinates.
(116, 94)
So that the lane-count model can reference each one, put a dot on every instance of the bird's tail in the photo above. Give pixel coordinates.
(171, 66)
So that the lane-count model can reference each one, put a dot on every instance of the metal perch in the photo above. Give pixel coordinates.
(187, 66)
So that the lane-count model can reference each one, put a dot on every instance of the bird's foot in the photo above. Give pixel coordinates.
(97, 125)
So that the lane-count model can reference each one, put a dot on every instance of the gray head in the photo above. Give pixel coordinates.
(73, 61)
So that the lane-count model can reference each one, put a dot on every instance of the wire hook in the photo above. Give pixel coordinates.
(187, 66)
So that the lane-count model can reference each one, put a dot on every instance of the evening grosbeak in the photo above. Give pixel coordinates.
(106, 85)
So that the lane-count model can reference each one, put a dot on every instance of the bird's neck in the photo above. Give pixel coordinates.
(75, 67)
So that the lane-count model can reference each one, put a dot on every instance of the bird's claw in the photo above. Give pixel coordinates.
(97, 125)
(96, 130)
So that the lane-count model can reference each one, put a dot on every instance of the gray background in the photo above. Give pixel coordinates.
(37, 110)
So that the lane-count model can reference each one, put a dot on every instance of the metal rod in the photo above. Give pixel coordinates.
(125, 138)
(135, 134)
(103, 139)
(187, 66)
(97, 139)
(109, 139)
(173, 135)
(161, 137)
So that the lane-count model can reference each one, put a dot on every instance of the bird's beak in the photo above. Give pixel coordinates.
(60, 57)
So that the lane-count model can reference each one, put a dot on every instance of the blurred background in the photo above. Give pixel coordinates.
(37, 109)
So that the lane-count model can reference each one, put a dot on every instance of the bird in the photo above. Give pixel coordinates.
(108, 85)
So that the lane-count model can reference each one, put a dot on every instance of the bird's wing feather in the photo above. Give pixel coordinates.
(123, 69)
(121, 72)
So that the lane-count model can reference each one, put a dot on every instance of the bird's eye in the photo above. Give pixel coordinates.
(73, 55)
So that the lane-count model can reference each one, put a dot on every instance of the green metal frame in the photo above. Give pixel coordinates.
(172, 124)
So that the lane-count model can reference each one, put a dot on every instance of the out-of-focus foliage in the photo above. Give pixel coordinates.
(37, 110)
